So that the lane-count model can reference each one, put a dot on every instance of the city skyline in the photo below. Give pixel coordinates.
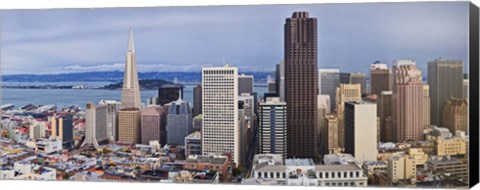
(251, 41)
(310, 125)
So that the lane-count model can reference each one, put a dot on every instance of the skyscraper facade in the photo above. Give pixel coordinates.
(361, 130)
(445, 78)
(408, 100)
(345, 93)
(385, 112)
(380, 78)
(197, 100)
(280, 80)
(179, 122)
(169, 93)
(323, 106)
(131, 88)
(62, 129)
(455, 115)
(273, 127)
(90, 126)
(107, 111)
(328, 81)
(245, 84)
(359, 78)
(426, 106)
(220, 132)
(129, 116)
(153, 120)
(301, 82)
(129, 125)
(355, 78)
(330, 135)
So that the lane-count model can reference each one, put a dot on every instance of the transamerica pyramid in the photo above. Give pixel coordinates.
(131, 88)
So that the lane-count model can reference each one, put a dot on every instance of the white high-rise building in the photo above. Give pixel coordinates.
(107, 110)
(220, 131)
(90, 126)
(361, 130)
(131, 87)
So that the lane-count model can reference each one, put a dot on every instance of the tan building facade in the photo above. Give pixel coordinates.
(401, 168)
(455, 115)
(330, 135)
(129, 125)
(345, 93)
(450, 147)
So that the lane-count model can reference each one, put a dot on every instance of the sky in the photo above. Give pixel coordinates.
(350, 36)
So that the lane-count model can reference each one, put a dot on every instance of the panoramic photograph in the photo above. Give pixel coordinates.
(355, 94)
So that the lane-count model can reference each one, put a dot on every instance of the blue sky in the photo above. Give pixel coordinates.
(350, 36)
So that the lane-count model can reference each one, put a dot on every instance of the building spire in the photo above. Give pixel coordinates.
(131, 47)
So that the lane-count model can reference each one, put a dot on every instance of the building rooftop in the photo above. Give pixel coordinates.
(299, 162)
(349, 167)
(194, 135)
(339, 159)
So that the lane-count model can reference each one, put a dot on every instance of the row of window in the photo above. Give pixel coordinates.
(321, 175)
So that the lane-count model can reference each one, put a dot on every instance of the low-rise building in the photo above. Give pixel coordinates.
(402, 167)
(270, 169)
(193, 144)
(419, 155)
(372, 167)
(449, 167)
(217, 163)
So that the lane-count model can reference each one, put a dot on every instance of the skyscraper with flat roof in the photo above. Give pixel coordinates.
(380, 78)
(455, 115)
(273, 127)
(245, 84)
(94, 133)
(197, 100)
(107, 111)
(153, 120)
(445, 78)
(385, 112)
(345, 93)
(408, 101)
(361, 130)
(129, 125)
(328, 81)
(169, 93)
(220, 132)
(301, 81)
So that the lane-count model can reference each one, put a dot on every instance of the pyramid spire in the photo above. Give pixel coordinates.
(131, 87)
(131, 46)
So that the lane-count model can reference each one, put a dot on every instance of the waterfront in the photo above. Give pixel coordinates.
(66, 97)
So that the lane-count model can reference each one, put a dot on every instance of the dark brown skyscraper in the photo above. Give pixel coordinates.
(301, 81)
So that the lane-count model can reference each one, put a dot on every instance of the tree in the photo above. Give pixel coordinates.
(66, 176)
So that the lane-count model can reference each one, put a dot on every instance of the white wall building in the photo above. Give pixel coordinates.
(270, 169)
(220, 131)
(361, 130)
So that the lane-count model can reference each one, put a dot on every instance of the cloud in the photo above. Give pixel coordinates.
(250, 37)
